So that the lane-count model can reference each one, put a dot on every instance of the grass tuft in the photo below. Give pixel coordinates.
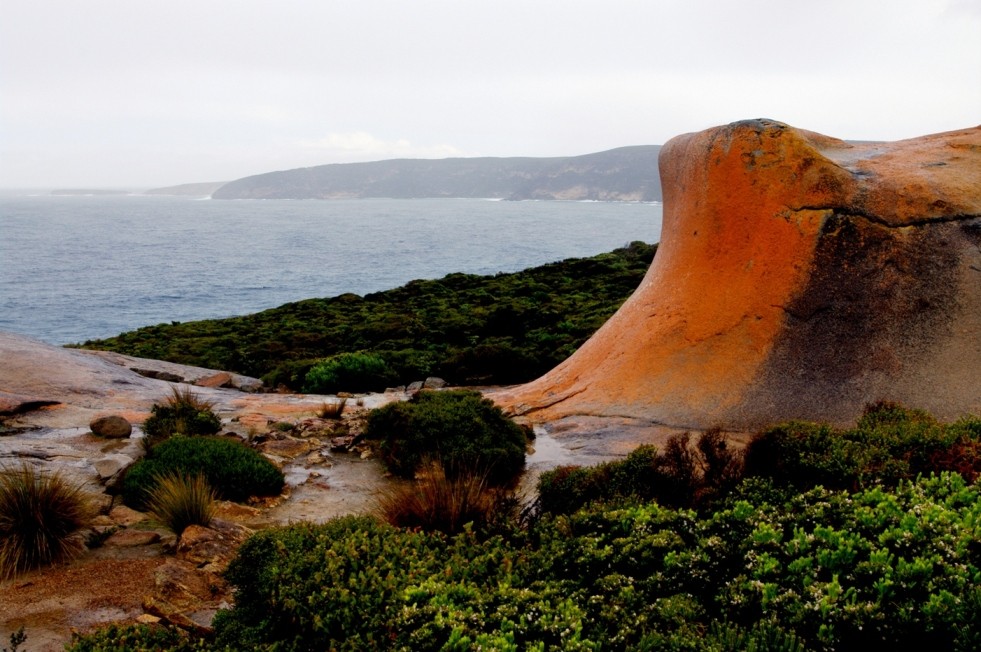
(39, 517)
(332, 409)
(434, 502)
(184, 413)
(179, 500)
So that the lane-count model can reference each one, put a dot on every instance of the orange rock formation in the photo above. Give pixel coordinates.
(799, 276)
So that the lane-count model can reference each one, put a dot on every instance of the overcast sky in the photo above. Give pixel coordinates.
(144, 93)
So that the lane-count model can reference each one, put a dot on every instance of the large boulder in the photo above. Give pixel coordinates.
(799, 277)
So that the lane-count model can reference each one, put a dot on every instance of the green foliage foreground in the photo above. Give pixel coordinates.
(767, 564)
(826, 570)
(468, 329)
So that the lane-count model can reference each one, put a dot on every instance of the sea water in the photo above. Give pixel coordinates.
(74, 268)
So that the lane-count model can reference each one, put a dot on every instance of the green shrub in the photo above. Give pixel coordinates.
(348, 372)
(466, 432)
(183, 413)
(235, 471)
(40, 515)
(179, 500)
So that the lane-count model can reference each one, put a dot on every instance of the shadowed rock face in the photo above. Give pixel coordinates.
(798, 276)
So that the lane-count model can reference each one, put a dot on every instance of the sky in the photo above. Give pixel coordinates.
(149, 93)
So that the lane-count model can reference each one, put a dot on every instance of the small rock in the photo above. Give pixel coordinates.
(147, 619)
(220, 379)
(434, 383)
(111, 427)
(414, 386)
(132, 538)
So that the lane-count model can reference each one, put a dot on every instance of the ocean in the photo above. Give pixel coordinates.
(74, 268)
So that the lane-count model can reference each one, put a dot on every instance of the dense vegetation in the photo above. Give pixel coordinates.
(468, 329)
(459, 429)
(770, 562)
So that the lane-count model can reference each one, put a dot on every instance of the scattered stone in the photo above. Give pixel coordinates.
(147, 619)
(220, 379)
(112, 426)
(414, 386)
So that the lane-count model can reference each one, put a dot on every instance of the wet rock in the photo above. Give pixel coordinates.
(112, 426)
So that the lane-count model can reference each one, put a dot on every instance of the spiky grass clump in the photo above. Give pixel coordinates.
(183, 412)
(39, 516)
(434, 502)
(332, 409)
(179, 500)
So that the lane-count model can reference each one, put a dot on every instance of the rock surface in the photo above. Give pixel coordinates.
(798, 277)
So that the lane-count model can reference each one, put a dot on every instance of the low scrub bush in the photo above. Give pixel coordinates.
(183, 413)
(680, 476)
(888, 444)
(40, 517)
(349, 372)
(179, 500)
(235, 471)
(825, 570)
(466, 432)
